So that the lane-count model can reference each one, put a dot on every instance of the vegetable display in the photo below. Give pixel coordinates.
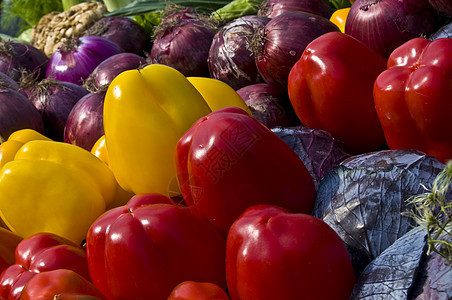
(225, 149)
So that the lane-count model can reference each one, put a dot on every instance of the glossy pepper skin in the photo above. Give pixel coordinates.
(228, 161)
(56, 187)
(146, 111)
(61, 284)
(191, 290)
(413, 97)
(144, 249)
(274, 254)
(40, 253)
(331, 88)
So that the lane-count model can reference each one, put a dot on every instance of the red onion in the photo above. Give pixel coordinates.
(443, 6)
(17, 112)
(8, 82)
(107, 70)
(273, 8)
(282, 42)
(125, 32)
(183, 43)
(84, 125)
(383, 25)
(231, 58)
(54, 100)
(78, 57)
(268, 106)
(16, 58)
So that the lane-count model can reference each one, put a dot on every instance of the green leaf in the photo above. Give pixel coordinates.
(338, 4)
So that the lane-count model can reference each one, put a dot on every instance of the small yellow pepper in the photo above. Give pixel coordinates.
(339, 17)
(218, 94)
(55, 187)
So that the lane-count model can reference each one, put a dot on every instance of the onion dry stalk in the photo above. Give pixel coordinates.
(433, 211)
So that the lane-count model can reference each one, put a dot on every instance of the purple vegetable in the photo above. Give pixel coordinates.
(84, 125)
(8, 82)
(77, 58)
(17, 112)
(273, 8)
(443, 32)
(125, 32)
(282, 42)
(54, 100)
(231, 58)
(318, 150)
(362, 199)
(16, 58)
(383, 25)
(268, 106)
(107, 70)
(183, 43)
(443, 6)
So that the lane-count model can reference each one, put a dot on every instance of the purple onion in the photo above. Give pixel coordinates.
(8, 82)
(16, 58)
(268, 106)
(125, 32)
(183, 43)
(383, 25)
(54, 100)
(77, 58)
(282, 42)
(107, 70)
(231, 58)
(17, 112)
(273, 8)
(84, 125)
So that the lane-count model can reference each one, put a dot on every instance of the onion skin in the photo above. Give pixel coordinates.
(183, 45)
(17, 112)
(231, 58)
(383, 25)
(55, 100)
(268, 106)
(107, 70)
(273, 8)
(125, 32)
(283, 41)
(84, 125)
(17, 57)
(77, 59)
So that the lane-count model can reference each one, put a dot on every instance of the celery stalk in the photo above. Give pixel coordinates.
(112, 5)
(67, 4)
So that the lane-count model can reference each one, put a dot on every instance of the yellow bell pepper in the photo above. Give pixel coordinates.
(55, 187)
(218, 94)
(146, 112)
(339, 17)
(100, 150)
(16, 139)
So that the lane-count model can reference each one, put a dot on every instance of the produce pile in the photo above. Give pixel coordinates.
(242, 149)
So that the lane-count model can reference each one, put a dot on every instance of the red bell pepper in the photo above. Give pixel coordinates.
(193, 290)
(227, 161)
(274, 254)
(39, 253)
(142, 251)
(60, 284)
(413, 97)
(331, 88)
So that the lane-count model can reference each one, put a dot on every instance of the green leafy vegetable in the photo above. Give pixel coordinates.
(338, 4)
(433, 211)
(30, 11)
(236, 9)
(149, 21)
(151, 6)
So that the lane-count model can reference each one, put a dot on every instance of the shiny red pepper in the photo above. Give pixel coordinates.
(227, 161)
(274, 254)
(413, 97)
(331, 88)
(61, 284)
(38, 253)
(144, 249)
